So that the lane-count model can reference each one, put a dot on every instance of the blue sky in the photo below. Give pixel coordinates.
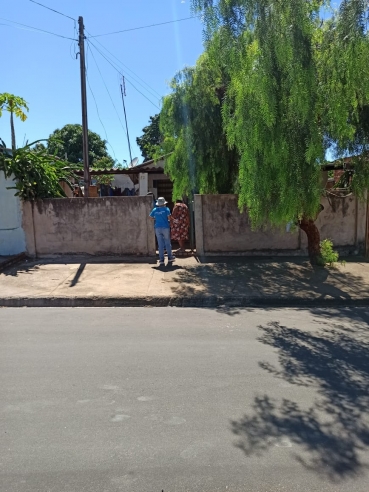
(44, 71)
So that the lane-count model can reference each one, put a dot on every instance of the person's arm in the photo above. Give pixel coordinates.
(152, 214)
(169, 216)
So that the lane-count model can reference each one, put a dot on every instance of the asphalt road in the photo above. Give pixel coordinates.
(151, 400)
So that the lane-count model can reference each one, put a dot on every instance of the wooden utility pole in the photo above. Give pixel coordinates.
(367, 226)
(123, 92)
(81, 43)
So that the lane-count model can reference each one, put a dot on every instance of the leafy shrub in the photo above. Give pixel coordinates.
(327, 254)
(37, 174)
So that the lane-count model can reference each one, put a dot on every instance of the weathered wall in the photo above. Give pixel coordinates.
(343, 221)
(226, 230)
(221, 228)
(96, 226)
(12, 237)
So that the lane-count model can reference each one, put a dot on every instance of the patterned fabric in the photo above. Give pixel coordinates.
(180, 222)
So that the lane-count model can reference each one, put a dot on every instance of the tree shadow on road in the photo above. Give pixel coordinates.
(332, 431)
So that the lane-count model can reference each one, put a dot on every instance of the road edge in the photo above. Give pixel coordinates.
(185, 301)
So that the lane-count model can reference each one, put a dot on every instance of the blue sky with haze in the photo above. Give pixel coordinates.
(43, 69)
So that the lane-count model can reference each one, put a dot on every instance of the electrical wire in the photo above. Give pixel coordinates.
(144, 27)
(106, 87)
(56, 11)
(115, 68)
(97, 109)
(37, 29)
(154, 93)
(151, 91)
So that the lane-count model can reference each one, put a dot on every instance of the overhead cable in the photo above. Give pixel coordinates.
(56, 11)
(154, 93)
(37, 29)
(97, 108)
(119, 71)
(144, 27)
(106, 87)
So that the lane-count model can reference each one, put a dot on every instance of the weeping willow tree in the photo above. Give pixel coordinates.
(292, 94)
(342, 61)
(270, 110)
(191, 123)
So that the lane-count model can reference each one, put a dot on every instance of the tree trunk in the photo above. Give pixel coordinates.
(313, 236)
(12, 130)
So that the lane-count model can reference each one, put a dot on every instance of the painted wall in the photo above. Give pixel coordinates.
(96, 226)
(221, 229)
(12, 237)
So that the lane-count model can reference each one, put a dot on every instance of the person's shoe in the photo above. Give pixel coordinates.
(170, 260)
(161, 263)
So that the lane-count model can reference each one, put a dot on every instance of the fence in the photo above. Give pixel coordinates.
(222, 230)
(96, 226)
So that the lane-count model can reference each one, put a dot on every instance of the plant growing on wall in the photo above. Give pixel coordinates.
(36, 174)
(15, 105)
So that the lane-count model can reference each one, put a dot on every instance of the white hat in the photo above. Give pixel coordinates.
(161, 201)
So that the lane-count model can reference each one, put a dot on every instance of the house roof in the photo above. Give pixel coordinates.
(150, 167)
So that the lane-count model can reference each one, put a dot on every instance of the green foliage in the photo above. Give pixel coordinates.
(327, 254)
(342, 60)
(13, 104)
(150, 139)
(298, 85)
(191, 123)
(101, 165)
(37, 174)
(68, 142)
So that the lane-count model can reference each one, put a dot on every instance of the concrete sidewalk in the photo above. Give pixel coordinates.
(93, 281)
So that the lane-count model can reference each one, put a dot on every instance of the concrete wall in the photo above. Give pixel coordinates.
(221, 229)
(96, 226)
(343, 221)
(12, 237)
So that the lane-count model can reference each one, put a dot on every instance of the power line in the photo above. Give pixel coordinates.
(106, 87)
(115, 68)
(56, 11)
(37, 29)
(98, 112)
(144, 27)
(154, 93)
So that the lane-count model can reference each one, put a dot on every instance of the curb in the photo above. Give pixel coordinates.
(13, 260)
(168, 301)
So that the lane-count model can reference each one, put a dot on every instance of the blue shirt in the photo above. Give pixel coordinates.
(161, 214)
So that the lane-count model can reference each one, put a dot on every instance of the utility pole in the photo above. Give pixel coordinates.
(81, 44)
(123, 91)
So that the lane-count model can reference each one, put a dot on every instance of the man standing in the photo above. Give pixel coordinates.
(161, 215)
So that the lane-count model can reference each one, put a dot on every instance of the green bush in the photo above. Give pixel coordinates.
(327, 254)
(37, 174)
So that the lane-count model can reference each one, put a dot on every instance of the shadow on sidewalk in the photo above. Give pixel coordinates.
(274, 278)
(328, 435)
(32, 265)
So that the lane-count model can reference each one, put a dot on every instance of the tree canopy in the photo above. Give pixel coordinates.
(150, 139)
(191, 123)
(67, 143)
(15, 105)
(292, 84)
